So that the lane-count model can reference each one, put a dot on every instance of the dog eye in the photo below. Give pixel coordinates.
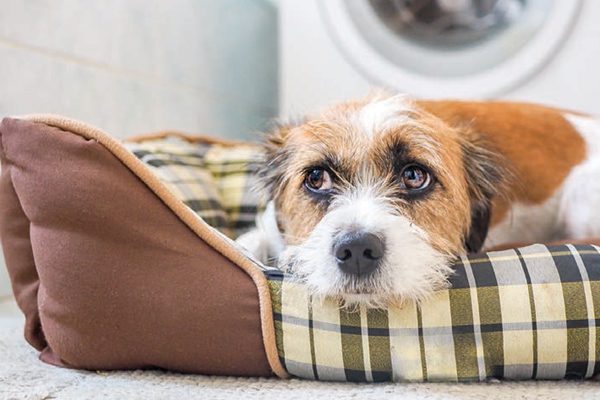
(318, 180)
(414, 177)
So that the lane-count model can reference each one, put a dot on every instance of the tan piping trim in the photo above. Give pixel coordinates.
(189, 138)
(187, 216)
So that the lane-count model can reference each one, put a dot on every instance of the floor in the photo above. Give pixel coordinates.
(23, 376)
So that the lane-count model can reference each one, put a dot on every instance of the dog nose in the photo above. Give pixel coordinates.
(358, 253)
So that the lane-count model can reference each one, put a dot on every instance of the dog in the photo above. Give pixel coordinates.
(371, 200)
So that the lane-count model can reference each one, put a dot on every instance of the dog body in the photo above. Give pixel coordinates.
(371, 200)
(554, 158)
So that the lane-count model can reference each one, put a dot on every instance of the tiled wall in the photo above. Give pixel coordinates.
(139, 65)
(135, 66)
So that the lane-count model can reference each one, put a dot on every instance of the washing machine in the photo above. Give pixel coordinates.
(545, 51)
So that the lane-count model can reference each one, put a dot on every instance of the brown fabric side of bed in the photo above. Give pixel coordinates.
(14, 229)
(123, 283)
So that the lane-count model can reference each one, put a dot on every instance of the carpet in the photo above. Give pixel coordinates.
(23, 376)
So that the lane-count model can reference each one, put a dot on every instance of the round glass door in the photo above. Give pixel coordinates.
(463, 47)
(449, 23)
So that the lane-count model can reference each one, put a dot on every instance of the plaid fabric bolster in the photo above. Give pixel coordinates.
(527, 313)
(215, 181)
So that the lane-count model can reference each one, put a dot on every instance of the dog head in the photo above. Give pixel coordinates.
(374, 198)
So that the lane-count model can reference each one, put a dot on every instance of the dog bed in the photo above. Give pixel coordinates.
(115, 266)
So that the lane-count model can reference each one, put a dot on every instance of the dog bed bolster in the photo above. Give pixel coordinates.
(105, 270)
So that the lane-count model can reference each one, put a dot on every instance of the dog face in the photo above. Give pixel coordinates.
(375, 198)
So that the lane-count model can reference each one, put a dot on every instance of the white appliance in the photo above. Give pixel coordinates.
(544, 51)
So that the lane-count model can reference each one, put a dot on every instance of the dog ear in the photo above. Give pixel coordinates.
(275, 154)
(486, 178)
(480, 221)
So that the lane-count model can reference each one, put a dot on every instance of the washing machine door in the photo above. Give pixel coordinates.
(441, 48)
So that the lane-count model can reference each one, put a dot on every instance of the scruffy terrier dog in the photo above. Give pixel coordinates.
(372, 200)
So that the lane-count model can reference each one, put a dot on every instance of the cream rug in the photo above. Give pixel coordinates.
(23, 376)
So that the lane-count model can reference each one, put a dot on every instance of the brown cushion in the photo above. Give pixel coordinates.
(110, 273)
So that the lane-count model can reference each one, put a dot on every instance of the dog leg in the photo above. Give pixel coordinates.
(265, 241)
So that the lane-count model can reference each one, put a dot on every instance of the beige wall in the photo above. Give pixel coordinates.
(134, 66)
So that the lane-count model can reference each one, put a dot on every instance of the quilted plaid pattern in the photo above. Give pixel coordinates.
(519, 314)
(214, 180)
